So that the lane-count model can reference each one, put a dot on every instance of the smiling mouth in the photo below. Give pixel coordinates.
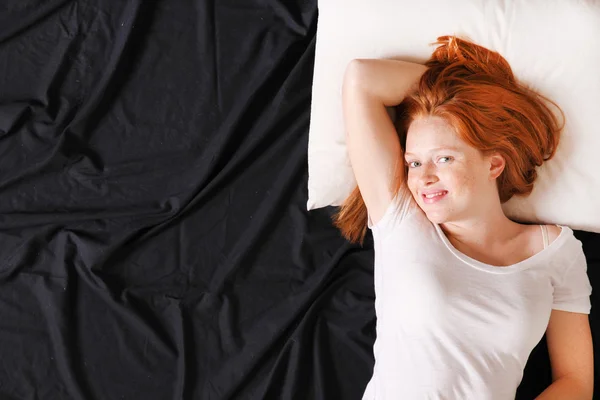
(431, 196)
(434, 197)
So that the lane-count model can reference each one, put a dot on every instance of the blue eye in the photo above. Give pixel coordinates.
(446, 158)
(412, 164)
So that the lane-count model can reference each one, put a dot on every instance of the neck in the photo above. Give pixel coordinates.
(491, 228)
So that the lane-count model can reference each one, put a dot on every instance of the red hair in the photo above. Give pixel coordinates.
(475, 91)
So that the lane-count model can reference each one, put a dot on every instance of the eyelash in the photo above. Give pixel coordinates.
(408, 164)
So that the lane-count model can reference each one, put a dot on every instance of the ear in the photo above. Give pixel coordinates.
(497, 164)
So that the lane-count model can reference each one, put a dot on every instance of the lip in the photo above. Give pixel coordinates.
(432, 191)
(434, 199)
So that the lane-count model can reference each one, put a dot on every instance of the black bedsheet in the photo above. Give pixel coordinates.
(154, 238)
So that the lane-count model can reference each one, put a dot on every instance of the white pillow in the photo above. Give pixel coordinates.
(553, 46)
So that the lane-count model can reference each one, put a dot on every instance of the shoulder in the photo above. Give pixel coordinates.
(535, 238)
(553, 232)
(567, 249)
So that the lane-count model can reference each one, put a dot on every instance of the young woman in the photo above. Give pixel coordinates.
(463, 293)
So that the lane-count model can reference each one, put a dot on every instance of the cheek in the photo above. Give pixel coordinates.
(466, 181)
(461, 181)
(411, 183)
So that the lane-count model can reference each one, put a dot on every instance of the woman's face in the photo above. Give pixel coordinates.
(449, 179)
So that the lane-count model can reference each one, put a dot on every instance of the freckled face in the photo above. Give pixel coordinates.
(448, 178)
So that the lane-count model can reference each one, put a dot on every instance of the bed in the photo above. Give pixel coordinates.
(154, 236)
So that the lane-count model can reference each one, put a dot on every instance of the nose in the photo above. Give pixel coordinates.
(428, 174)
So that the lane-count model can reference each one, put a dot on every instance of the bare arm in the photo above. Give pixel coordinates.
(572, 357)
(373, 146)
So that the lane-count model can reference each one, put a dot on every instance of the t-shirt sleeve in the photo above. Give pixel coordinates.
(572, 293)
(400, 206)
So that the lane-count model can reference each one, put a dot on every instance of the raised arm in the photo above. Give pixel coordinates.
(373, 146)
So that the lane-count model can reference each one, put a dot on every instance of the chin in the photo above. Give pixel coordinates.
(436, 220)
(438, 213)
(436, 217)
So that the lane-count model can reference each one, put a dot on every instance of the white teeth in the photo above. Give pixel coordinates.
(430, 196)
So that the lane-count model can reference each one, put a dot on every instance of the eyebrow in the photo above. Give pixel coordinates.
(455, 149)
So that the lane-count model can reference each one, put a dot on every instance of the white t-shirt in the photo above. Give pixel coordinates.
(451, 327)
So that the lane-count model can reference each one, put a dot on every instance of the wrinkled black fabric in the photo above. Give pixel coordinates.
(154, 238)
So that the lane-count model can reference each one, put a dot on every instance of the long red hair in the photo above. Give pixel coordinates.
(475, 91)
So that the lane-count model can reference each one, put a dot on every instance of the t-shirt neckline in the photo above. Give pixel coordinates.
(521, 265)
